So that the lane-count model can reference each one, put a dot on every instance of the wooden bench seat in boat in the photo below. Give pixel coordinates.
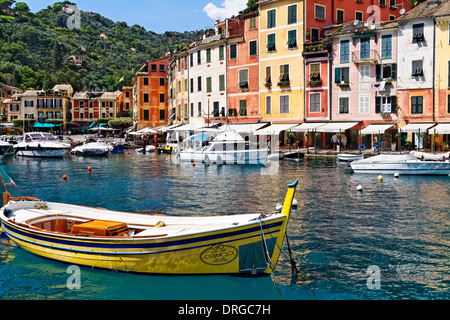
(100, 228)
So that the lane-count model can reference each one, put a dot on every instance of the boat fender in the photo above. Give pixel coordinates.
(39, 147)
(160, 224)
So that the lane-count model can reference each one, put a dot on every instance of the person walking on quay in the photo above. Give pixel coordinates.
(334, 141)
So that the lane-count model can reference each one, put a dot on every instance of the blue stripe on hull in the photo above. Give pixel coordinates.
(132, 246)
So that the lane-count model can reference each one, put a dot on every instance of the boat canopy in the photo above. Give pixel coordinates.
(336, 126)
(200, 137)
(307, 126)
(275, 129)
(441, 128)
(228, 135)
(416, 127)
(377, 128)
(46, 125)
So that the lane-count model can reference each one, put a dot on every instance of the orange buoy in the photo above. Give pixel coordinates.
(193, 164)
(128, 153)
(89, 169)
(64, 176)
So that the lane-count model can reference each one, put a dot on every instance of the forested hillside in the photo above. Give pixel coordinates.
(35, 48)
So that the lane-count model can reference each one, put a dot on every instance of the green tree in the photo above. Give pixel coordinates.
(21, 7)
(6, 4)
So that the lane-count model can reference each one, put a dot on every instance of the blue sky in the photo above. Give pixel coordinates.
(157, 16)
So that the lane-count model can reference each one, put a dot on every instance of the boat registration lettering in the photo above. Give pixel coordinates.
(219, 254)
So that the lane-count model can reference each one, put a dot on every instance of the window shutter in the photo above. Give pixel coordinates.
(337, 75)
(377, 104)
(346, 76)
(394, 71)
(393, 104)
(378, 72)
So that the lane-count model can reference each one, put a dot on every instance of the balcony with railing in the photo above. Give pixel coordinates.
(368, 56)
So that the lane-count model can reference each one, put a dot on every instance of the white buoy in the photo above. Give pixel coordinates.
(380, 178)
(359, 187)
(396, 175)
(294, 203)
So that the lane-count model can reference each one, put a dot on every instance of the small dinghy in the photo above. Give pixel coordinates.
(347, 157)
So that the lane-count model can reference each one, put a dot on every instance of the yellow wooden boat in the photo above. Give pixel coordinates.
(235, 244)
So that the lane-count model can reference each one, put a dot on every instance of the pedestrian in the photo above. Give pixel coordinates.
(344, 141)
(334, 141)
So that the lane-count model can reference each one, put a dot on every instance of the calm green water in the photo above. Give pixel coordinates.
(401, 226)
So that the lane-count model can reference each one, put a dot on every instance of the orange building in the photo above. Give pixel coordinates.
(243, 68)
(150, 109)
(126, 101)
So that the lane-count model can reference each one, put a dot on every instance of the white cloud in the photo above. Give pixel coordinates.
(228, 9)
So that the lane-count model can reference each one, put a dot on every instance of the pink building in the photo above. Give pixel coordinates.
(364, 74)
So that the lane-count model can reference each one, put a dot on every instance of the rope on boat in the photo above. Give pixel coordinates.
(294, 268)
(264, 245)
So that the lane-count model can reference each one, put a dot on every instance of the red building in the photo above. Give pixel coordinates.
(243, 68)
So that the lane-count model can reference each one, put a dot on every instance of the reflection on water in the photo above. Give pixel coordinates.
(400, 225)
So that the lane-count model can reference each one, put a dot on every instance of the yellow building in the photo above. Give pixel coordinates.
(281, 61)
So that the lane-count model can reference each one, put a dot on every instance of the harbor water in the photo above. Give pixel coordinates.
(389, 241)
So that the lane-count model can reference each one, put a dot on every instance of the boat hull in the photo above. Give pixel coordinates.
(350, 157)
(227, 252)
(244, 157)
(41, 153)
(405, 168)
(294, 156)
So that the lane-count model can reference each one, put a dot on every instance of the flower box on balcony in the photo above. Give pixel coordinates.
(344, 84)
(314, 83)
(284, 83)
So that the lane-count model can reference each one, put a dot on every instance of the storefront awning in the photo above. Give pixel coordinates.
(416, 127)
(336, 126)
(190, 127)
(377, 128)
(246, 127)
(308, 126)
(168, 128)
(441, 128)
(274, 129)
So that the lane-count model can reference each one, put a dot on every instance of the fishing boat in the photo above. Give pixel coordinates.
(347, 157)
(248, 244)
(41, 144)
(401, 164)
(293, 155)
(92, 149)
(228, 147)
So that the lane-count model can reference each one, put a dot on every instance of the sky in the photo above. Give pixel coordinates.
(155, 15)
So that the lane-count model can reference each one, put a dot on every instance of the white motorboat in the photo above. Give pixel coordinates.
(350, 157)
(401, 164)
(41, 144)
(228, 147)
(92, 149)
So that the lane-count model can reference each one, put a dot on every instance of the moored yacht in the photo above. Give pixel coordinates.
(228, 147)
(41, 144)
(401, 164)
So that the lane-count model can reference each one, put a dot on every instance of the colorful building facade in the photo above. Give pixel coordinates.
(150, 108)
(281, 73)
(243, 68)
